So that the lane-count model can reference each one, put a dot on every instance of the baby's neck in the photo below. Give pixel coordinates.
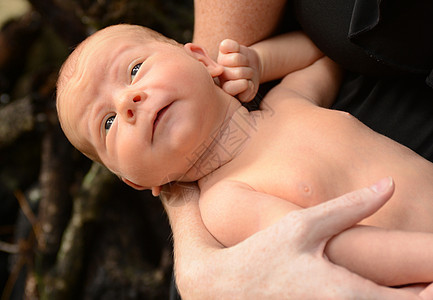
(225, 143)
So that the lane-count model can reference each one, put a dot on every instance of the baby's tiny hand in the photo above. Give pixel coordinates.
(241, 76)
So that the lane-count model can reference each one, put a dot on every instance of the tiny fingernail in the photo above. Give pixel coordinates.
(382, 185)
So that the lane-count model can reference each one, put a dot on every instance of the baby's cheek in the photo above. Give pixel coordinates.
(129, 159)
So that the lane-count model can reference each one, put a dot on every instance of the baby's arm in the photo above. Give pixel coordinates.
(389, 257)
(246, 67)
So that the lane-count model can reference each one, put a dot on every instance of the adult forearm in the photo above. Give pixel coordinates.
(246, 21)
(203, 268)
(194, 247)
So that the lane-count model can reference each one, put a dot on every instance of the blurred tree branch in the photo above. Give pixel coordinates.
(96, 238)
(15, 119)
(60, 278)
(62, 17)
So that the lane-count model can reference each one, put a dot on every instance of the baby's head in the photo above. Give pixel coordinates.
(78, 64)
(135, 101)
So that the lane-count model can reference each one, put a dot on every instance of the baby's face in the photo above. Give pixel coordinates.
(146, 107)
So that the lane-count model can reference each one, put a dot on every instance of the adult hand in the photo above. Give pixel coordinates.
(283, 261)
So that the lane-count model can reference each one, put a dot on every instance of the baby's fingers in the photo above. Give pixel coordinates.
(235, 87)
(230, 55)
(233, 60)
(229, 46)
(248, 94)
(238, 73)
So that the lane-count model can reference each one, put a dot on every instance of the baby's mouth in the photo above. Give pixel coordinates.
(158, 117)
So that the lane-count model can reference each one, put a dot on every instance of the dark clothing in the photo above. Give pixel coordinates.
(400, 108)
(372, 37)
(387, 46)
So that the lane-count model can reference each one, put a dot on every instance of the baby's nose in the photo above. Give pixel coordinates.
(127, 104)
(129, 98)
(137, 98)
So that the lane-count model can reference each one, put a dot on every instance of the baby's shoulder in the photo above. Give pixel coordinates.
(222, 190)
(226, 213)
(233, 210)
(281, 97)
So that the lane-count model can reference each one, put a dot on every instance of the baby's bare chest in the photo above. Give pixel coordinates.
(312, 158)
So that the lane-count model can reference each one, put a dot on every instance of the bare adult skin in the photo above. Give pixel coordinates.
(215, 21)
(286, 260)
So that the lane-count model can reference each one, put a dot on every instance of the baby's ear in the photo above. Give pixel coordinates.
(201, 55)
(133, 185)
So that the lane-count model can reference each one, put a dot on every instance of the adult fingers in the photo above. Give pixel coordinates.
(347, 285)
(330, 218)
(427, 293)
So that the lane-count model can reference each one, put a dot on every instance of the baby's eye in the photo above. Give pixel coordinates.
(134, 71)
(108, 123)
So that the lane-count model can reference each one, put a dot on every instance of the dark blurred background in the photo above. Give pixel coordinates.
(68, 228)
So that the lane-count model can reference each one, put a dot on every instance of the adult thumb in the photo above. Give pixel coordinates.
(334, 216)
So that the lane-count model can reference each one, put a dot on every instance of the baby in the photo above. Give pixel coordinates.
(148, 108)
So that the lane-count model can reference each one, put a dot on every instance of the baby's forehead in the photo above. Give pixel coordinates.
(96, 53)
(110, 39)
(113, 36)
(100, 47)
(72, 86)
(76, 78)
(97, 48)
